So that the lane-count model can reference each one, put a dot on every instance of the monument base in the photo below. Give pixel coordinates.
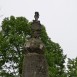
(34, 65)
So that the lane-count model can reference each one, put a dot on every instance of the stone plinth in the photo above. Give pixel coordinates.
(34, 65)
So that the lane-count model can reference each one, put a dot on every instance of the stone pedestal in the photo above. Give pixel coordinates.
(34, 65)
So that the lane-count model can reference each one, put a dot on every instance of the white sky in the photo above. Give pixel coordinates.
(58, 16)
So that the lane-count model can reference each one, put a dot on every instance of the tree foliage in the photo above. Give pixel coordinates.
(72, 67)
(15, 32)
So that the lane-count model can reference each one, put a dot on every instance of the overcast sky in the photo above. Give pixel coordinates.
(58, 16)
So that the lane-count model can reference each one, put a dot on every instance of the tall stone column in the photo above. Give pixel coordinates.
(34, 62)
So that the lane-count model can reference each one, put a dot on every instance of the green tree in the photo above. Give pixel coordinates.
(72, 67)
(15, 32)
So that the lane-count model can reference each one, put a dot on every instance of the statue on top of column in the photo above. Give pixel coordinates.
(36, 26)
(35, 44)
(34, 62)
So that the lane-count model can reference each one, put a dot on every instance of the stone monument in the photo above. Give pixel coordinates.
(34, 62)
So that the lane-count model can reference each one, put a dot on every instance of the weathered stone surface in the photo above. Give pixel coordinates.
(34, 65)
(36, 29)
(34, 45)
(34, 62)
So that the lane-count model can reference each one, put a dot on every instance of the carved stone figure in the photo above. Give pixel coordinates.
(36, 16)
(36, 26)
(34, 44)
